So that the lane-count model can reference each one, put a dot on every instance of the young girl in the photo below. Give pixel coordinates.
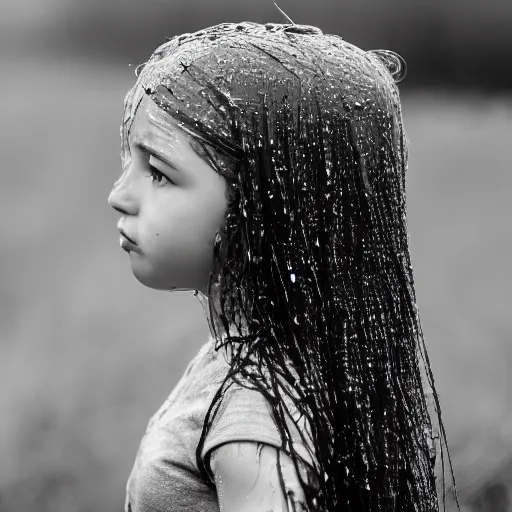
(264, 169)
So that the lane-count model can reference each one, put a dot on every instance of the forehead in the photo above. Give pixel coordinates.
(148, 119)
(144, 120)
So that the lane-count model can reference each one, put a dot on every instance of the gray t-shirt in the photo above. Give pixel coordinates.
(165, 477)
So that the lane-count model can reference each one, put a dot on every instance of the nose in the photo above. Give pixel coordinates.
(122, 197)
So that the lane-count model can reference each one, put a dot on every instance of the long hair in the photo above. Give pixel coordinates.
(312, 292)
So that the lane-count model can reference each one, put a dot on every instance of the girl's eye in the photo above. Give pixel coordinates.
(156, 175)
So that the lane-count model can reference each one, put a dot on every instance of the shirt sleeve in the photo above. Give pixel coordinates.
(245, 415)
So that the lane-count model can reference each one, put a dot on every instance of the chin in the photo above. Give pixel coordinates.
(154, 284)
(165, 279)
(155, 281)
(148, 279)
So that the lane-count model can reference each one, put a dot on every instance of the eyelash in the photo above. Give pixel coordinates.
(156, 175)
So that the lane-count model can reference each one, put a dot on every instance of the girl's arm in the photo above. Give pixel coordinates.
(247, 479)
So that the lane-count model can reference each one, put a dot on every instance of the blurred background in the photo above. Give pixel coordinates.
(87, 354)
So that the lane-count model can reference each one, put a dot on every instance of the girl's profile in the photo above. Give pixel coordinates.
(172, 203)
(264, 170)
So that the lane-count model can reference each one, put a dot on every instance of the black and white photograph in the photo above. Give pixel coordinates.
(254, 256)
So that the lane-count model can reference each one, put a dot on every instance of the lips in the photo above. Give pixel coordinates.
(127, 237)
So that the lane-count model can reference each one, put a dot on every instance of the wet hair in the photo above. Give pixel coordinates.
(312, 273)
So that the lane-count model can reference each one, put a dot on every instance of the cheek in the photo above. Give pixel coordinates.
(179, 243)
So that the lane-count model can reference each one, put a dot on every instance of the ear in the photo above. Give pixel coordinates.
(393, 62)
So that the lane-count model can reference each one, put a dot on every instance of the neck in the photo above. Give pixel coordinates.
(205, 304)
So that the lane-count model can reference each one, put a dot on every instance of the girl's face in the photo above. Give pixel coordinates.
(171, 202)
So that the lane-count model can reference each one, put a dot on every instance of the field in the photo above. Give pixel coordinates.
(87, 354)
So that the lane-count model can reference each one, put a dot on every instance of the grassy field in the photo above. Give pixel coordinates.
(87, 354)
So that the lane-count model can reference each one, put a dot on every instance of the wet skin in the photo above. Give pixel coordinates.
(171, 202)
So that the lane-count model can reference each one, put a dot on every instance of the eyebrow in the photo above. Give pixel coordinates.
(148, 148)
